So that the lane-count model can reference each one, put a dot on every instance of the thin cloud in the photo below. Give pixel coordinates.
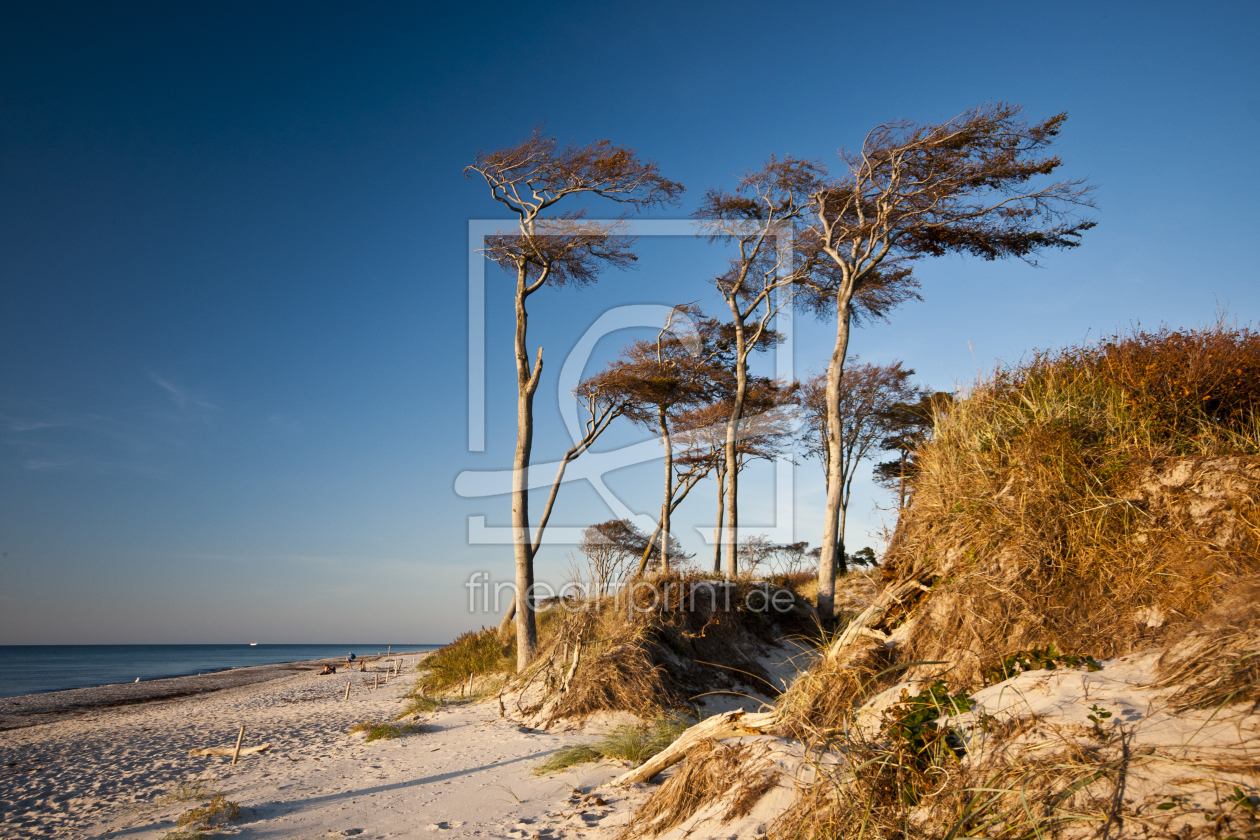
(19, 424)
(43, 464)
(183, 398)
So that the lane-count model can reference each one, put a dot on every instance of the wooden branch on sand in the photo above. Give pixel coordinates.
(261, 748)
(719, 727)
(863, 627)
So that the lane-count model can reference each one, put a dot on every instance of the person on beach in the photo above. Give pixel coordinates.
(328, 669)
(350, 658)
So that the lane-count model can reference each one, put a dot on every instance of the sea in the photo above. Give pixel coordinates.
(31, 669)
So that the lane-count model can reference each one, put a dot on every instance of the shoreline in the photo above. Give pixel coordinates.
(125, 770)
(25, 710)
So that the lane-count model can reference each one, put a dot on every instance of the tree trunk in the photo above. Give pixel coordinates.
(835, 477)
(732, 456)
(667, 505)
(902, 483)
(527, 384)
(717, 529)
(505, 625)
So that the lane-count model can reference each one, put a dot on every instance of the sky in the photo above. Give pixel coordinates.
(234, 270)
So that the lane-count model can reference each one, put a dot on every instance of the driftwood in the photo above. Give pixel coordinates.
(261, 748)
(861, 631)
(719, 727)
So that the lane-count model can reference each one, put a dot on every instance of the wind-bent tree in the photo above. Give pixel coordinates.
(866, 394)
(966, 186)
(756, 220)
(656, 380)
(554, 250)
(908, 426)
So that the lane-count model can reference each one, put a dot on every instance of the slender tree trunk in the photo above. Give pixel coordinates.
(667, 505)
(902, 482)
(732, 456)
(835, 478)
(680, 493)
(505, 626)
(717, 529)
(527, 384)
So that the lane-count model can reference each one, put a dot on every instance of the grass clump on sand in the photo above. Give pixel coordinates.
(386, 731)
(419, 704)
(216, 813)
(633, 744)
(685, 636)
(191, 791)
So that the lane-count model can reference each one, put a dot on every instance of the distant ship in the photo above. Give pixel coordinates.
(253, 644)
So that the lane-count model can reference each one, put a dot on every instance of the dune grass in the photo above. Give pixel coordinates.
(377, 731)
(633, 744)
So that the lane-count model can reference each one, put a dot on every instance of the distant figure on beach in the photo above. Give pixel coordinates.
(350, 658)
(328, 669)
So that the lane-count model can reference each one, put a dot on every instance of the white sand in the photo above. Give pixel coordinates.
(108, 771)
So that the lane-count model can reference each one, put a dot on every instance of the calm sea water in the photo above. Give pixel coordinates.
(28, 669)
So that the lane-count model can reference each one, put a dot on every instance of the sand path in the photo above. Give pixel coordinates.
(110, 772)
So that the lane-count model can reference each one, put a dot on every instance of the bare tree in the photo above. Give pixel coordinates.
(554, 250)
(756, 220)
(753, 551)
(968, 186)
(866, 393)
(610, 547)
(789, 558)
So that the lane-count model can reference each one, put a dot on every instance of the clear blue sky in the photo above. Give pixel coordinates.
(233, 272)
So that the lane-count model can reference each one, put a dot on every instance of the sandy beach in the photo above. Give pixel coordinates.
(77, 770)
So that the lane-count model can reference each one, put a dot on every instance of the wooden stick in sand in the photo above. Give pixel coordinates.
(376, 680)
(240, 736)
(261, 748)
(347, 697)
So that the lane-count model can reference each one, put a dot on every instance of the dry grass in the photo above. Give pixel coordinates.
(656, 660)
(216, 813)
(1217, 662)
(419, 704)
(472, 654)
(1063, 503)
(713, 771)
(477, 654)
(1099, 499)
